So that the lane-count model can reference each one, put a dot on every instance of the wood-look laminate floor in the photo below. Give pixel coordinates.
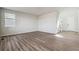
(40, 41)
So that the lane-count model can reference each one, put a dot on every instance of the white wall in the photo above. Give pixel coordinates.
(28, 23)
(69, 18)
(0, 22)
(78, 21)
(47, 22)
(24, 23)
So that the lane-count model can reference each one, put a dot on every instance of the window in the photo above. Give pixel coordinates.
(10, 20)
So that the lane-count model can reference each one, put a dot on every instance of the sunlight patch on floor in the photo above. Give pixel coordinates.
(58, 35)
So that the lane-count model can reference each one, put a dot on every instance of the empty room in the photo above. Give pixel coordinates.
(39, 29)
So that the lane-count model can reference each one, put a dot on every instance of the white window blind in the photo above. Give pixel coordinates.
(10, 20)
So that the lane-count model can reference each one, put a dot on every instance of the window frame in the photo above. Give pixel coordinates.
(8, 19)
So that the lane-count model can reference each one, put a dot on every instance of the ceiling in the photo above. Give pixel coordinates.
(39, 10)
(33, 10)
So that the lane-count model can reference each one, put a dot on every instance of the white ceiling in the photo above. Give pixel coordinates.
(33, 10)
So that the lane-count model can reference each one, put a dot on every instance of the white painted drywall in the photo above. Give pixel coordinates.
(68, 16)
(69, 19)
(47, 22)
(24, 23)
(0, 22)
